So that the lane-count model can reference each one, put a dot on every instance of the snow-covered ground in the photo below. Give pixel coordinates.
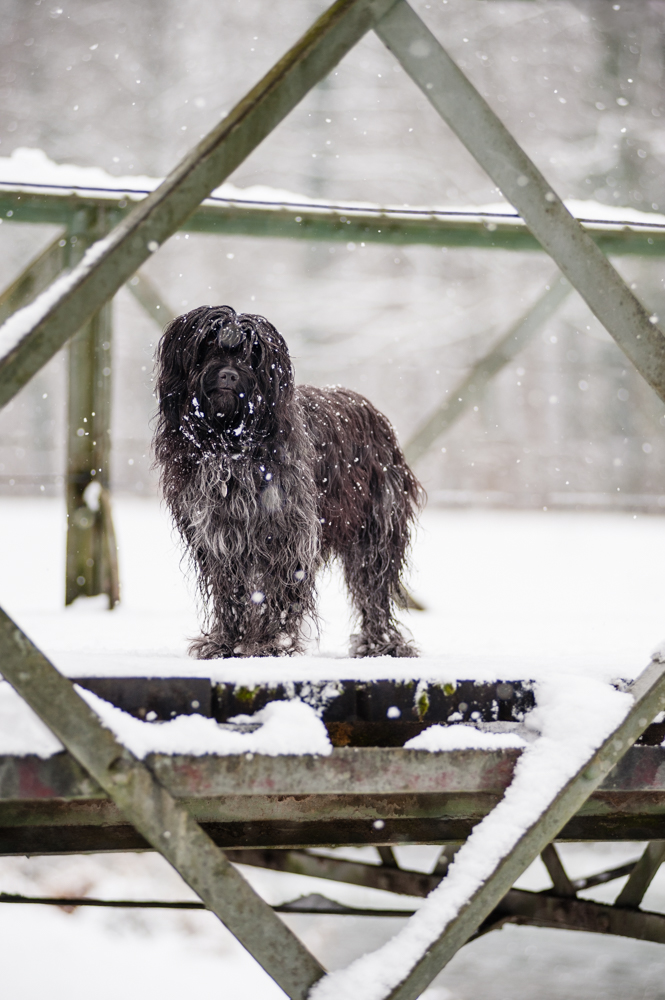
(508, 594)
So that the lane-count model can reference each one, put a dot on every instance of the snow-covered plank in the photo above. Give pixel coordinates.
(468, 114)
(577, 749)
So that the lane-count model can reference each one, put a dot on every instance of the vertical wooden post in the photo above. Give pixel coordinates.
(92, 559)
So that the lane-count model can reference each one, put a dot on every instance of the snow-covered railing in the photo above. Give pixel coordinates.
(35, 189)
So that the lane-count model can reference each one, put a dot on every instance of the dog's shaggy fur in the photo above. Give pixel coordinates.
(267, 481)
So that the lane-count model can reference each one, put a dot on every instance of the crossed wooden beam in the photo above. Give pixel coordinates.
(167, 825)
(141, 233)
(28, 342)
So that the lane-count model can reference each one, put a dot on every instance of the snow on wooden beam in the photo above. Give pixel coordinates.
(155, 814)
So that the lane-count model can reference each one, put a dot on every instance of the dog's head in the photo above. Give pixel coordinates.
(223, 374)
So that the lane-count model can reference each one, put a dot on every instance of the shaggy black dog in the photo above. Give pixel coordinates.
(267, 481)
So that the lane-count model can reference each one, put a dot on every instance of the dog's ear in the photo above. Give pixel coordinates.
(173, 364)
(270, 360)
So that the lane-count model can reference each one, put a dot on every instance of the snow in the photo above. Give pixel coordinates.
(285, 728)
(21, 730)
(573, 597)
(29, 168)
(574, 715)
(509, 596)
(458, 737)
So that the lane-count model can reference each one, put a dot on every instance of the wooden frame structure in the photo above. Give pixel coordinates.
(88, 213)
(154, 806)
(98, 796)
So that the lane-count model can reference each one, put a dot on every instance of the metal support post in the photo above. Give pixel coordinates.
(164, 823)
(467, 113)
(92, 556)
(472, 388)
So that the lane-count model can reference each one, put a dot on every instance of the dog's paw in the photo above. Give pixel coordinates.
(281, 645)
(362, 645)
(207, 647)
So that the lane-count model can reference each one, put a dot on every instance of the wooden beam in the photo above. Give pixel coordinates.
(92, 556)
(467, 113)
(642, 875)
(560, 882)
(648, 693)
(34, 278)
(161, 214)
(472, 388)
(148, 297)
(163, 822)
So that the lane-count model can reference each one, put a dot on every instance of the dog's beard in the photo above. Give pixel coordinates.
(226, 407)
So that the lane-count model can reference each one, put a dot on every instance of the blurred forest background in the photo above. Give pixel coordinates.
(130, 87)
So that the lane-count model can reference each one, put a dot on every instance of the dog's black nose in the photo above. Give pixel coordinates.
(227, 378)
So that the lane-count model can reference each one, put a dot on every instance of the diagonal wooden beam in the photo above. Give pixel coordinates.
(648, 692)
(642, 875)
(467, 113)
(560, 882)
(34, 278)
(26, 344)
(164, 823)
(472, 387)
(148, 297)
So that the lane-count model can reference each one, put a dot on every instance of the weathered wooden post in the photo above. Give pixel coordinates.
(92, 560)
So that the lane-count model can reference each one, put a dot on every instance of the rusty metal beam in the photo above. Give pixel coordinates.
(487, 139)
(519, 907)
(542, 909)
(163, 822)
(155, 219)
(348, 773)
(61, 834)
(435, 798)
(388, 878)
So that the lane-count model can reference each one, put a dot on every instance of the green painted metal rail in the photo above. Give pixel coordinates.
(336, 223)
